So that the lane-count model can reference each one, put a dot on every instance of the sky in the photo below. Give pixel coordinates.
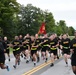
(61, 9)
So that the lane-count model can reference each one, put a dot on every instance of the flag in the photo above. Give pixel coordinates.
(42, 29)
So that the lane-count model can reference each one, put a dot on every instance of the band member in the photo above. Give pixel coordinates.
(65, 46)
(2, 55)
(73, 51)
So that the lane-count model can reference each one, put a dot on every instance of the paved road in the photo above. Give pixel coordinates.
(59, 69)
(21, 69)
(44, 68)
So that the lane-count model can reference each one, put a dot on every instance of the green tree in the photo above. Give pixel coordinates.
(57, 30)
(1, 31)
(71, 31)
(8, 11)
(50, 21)
(62, 25)
(30, 19)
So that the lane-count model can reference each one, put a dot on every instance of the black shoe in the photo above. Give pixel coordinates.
(57, 57)
(27, 61)
(34, 64)
(21, 55)
(66, 64)
(46, 60)
(14, 66)
(51, 65)
(9, 59)
(24, 57)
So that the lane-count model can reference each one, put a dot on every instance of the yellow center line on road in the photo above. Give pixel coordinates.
(35, 69)
(38, 67)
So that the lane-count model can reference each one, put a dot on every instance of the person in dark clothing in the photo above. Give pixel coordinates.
(65, 46)
(26, 45)
(21, 48)
(53, 49)
(2, 55)
(45, 47)
(73, 51)
(16, 44)
(33, 50)
(57, 39)
(7, 47)
(38, 42)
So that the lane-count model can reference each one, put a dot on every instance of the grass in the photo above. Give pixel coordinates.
(71, 37)
(11, 49)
